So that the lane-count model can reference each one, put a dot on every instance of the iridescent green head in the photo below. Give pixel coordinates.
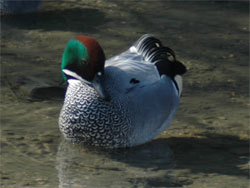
(83, 59)
(83, 56)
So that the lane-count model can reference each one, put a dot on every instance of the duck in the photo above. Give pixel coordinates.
(124, 101)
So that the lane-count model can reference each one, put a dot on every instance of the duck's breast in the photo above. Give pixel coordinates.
(87, 118)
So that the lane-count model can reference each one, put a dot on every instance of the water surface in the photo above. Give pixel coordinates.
(207, 143)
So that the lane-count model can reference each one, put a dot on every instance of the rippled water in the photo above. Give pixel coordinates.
(208, 142)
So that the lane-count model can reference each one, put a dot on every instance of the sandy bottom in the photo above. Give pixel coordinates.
(207, 144)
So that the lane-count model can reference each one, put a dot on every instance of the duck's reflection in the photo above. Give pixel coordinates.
(78, 166)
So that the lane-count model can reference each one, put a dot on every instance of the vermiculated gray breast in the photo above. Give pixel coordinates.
(86, 118)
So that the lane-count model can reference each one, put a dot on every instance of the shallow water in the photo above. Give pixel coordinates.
(207, 144)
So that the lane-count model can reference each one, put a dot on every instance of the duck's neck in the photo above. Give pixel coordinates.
(99, 85)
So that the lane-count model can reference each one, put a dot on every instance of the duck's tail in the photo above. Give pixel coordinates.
(163, 57)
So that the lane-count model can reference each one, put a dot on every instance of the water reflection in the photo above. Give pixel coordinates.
(153, 164)
(138, 166)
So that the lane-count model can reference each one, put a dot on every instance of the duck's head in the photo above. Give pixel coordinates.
(84, 59)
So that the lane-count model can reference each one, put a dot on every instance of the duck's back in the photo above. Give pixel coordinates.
(151, 99)
(130, 69)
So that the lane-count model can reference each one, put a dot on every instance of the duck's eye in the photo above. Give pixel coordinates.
(84, 61)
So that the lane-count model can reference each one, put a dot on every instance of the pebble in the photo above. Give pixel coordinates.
(222, 118)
